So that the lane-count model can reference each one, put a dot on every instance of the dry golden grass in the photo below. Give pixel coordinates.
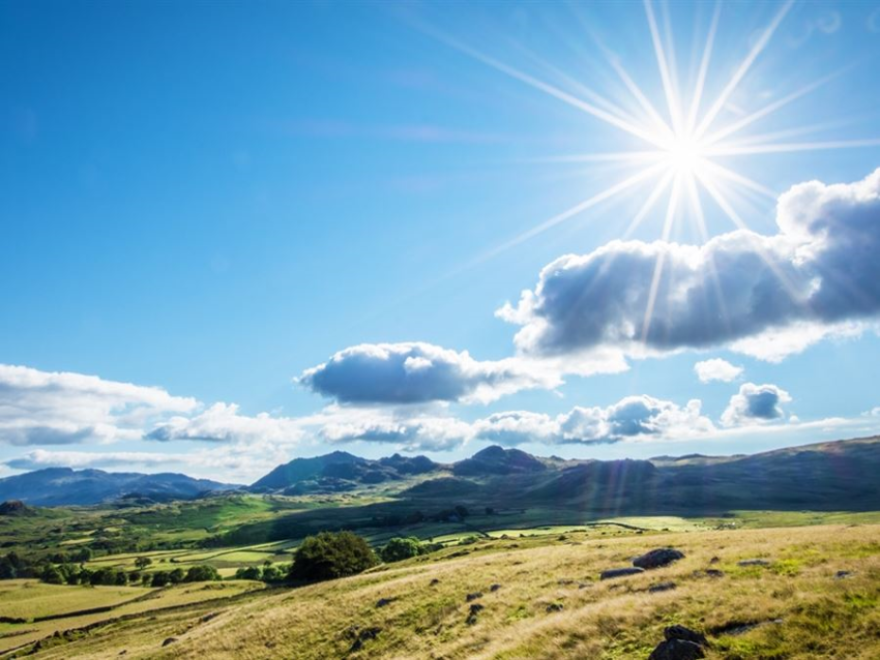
(808, 612)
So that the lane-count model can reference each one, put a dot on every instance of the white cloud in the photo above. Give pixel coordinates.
(634, 418)
(417, 373)
(223, 423)
(54, 408)
(768, 296)
(755, 404)
(421, 433)
(717, 369)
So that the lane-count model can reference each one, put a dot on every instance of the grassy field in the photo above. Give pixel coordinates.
(28, 598)
(549, 603)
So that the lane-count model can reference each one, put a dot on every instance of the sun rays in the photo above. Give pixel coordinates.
(683, 134)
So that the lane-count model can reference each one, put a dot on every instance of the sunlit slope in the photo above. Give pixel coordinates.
(548, 603)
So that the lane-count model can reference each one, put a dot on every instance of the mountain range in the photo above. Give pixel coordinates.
(840, 474)
(65, 486)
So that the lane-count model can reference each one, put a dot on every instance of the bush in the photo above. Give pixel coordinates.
(272, 574)
(201, 573)
(160, 579)
(331, 555)
(108, 577)
(51, 575)
(399, 549)
(249, 573)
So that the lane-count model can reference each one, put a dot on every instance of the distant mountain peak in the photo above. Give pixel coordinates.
(60, 486)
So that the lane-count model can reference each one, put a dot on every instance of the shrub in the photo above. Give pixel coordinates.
(399, 549)
(51, 575)
(201, 573)
(160, 579)
(249, 573)
(108, 576)
(272, 574)
(331, 555)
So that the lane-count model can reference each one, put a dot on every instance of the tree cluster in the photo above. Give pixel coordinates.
(331, 555)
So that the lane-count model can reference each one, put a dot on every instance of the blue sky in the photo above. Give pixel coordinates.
(211, 200)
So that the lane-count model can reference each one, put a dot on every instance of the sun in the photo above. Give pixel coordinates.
(685, 155)
(683, 142)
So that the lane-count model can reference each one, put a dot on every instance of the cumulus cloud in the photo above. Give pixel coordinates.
(717, 369)
(223, 423)
(818, 275)
(413, 373)
(634, 418)
(423, 433)
(57, 408)
(755, 404)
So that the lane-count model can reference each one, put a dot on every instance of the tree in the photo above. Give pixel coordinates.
(142, 562)
(176, 576)
(272, 574)
(399, 549)
(160, 579)
(331, 555)
(249, 573)
(51, 575)
(201, 573)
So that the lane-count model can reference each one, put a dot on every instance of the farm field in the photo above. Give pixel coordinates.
(71, 605)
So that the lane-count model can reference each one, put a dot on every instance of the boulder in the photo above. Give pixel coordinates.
(555, 607)
(661, 586)
(169, 640)
(364, 636)
(677, 649)
(658, 558)
(473, 596)
(495, 587)
(686, 634)
(612, 573)
(476, 608)
(680, 644)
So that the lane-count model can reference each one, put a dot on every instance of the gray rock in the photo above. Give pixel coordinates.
(495, 587)
(661, 586)
(169, 640)
(612, 573)
(658, 558)
(476, 608)
(686, 634)
(555, 607)
(364, 636)
(677, 649)
(473, 596)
